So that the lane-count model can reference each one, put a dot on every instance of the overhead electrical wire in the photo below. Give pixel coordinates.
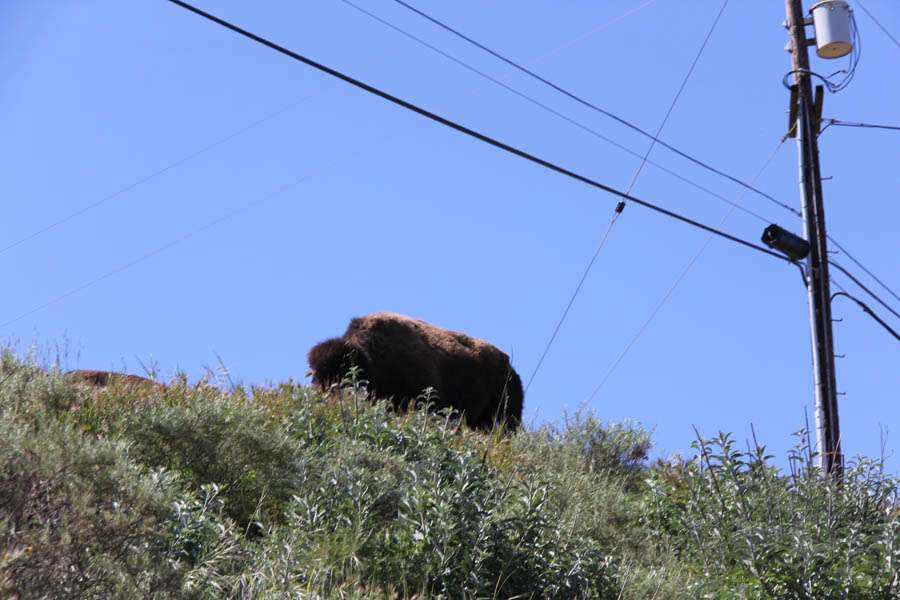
(863, 305)
(594, 107)
(678, 280)
(665, 120)
(883, 28)
(574, 295)
(621, 205)
(865, 289)
(553, 111)
(471, 132)
(869, 311)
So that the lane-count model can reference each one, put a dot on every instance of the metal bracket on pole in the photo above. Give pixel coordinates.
(817, 109)
(792, 113)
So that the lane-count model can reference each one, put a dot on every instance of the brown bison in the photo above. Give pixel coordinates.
(401, 356)
(102, 379)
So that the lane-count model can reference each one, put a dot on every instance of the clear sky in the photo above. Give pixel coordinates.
(231, 202)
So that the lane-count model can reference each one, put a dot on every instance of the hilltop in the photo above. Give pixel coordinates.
(189, 491)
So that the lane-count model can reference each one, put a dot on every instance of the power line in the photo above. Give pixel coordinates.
(593, 106)
(678, 95)
(595, 133)
(634, 179)
(471, 132)
(883, 28)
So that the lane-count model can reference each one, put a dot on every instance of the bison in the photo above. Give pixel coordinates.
(401, 356)
(102, 379)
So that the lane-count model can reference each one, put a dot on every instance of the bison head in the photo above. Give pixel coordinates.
(332, 359)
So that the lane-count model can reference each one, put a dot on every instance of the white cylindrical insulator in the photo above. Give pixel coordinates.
(832, 22)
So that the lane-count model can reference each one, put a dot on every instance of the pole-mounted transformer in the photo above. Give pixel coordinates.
(831, 19)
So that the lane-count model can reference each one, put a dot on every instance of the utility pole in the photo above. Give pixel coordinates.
(817, 282)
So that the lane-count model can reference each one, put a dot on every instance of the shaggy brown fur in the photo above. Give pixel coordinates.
(99, 379)
(401, 356)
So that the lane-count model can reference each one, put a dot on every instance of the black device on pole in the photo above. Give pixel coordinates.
(784, 241)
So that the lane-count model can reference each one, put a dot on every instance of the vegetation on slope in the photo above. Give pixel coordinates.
(190, 492)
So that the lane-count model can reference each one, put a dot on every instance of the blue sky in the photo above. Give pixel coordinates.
(234, 203)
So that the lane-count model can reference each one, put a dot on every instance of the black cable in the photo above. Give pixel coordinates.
(854, 59)
(594, 107)
(867, 290)
(595, 133)
(839, 123)
(470, 132)
(868, 310)
(861, 266)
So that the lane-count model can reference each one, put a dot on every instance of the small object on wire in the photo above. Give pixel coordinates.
(620, 206)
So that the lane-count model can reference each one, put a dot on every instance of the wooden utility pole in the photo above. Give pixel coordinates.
(817, 282)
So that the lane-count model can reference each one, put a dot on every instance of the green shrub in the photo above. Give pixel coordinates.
(410, 504)
(206, 542)
(77, 520)
(211, 438)
(751, 532)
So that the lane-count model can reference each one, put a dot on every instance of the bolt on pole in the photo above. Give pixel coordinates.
(817, 281)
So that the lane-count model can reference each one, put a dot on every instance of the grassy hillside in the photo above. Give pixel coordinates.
(290, 493)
